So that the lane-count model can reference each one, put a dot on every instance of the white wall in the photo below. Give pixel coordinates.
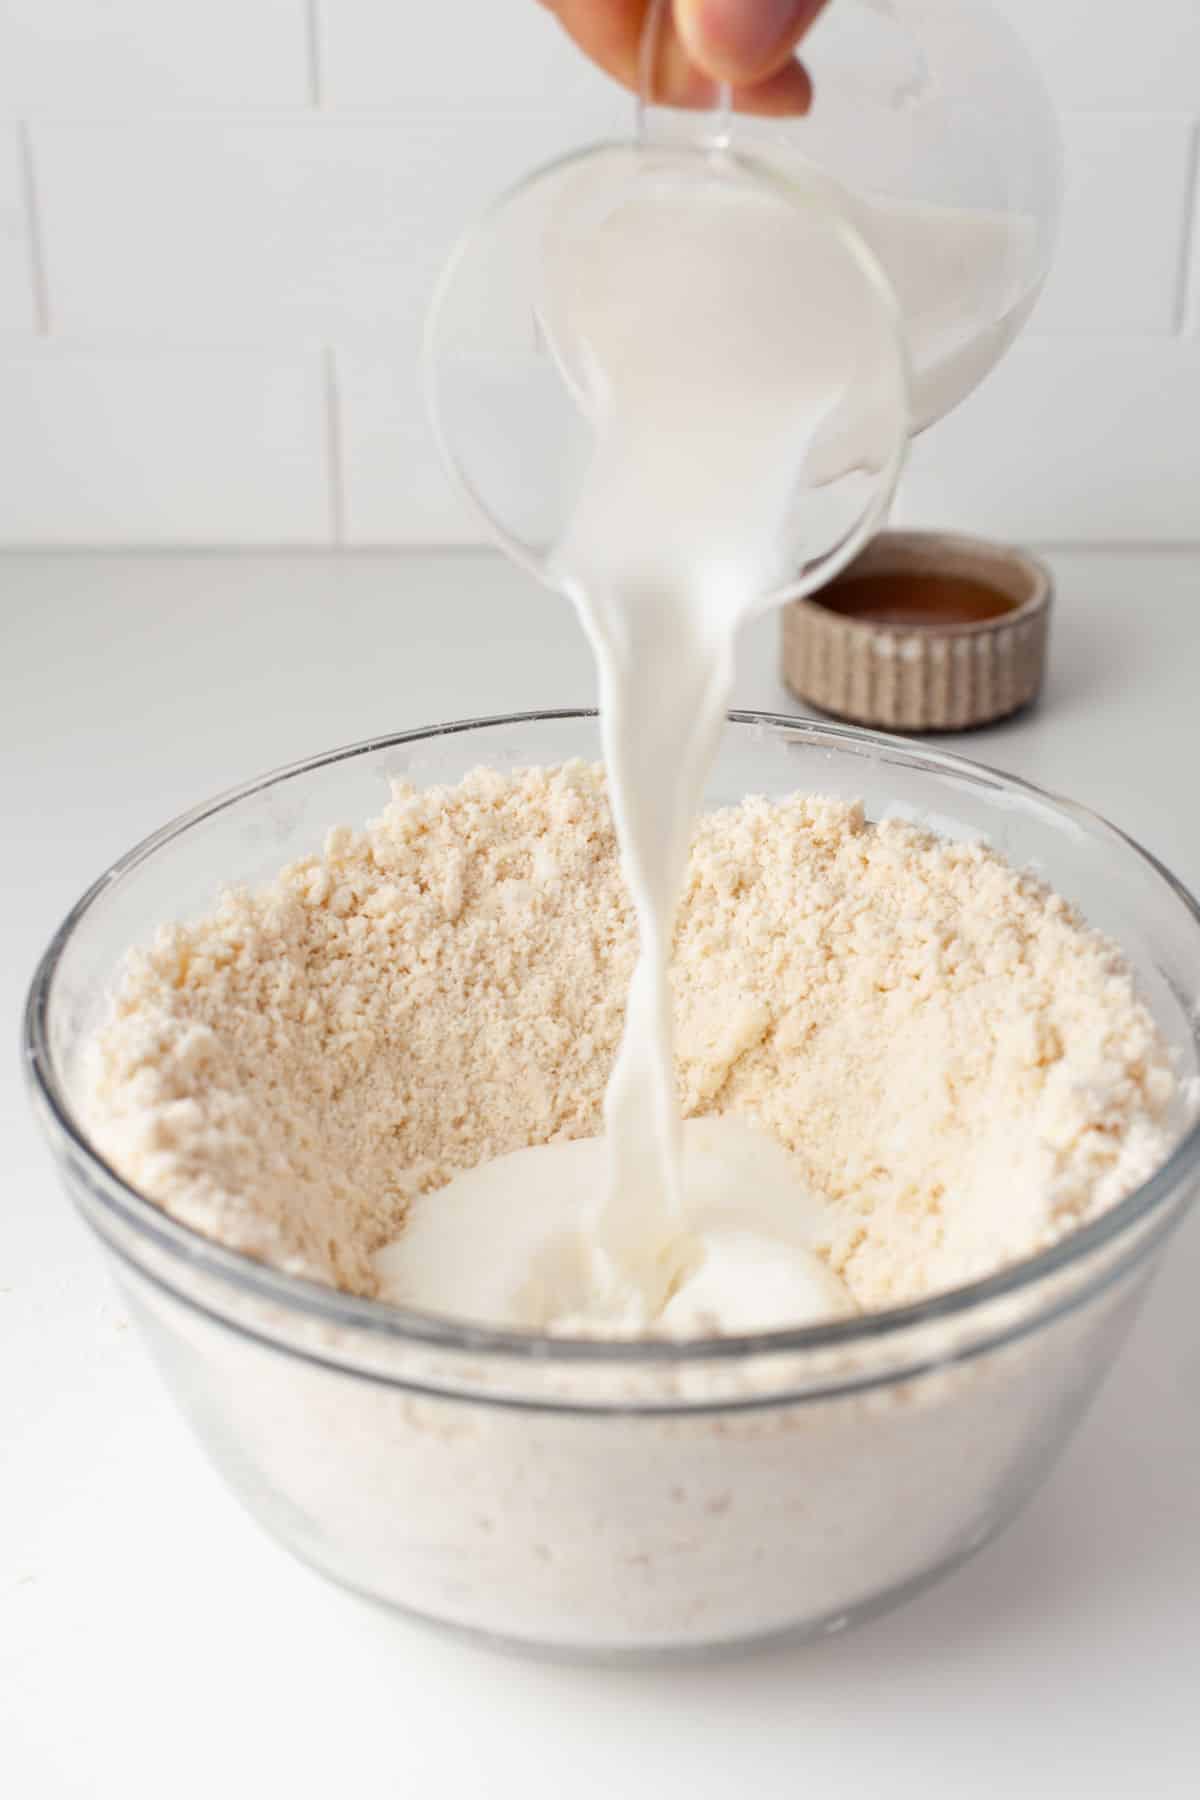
(219, 222)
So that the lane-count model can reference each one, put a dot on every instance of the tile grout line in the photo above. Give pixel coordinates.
(33, 231)
(1191, 199)
(333, 449)
(312, 16)
(367, 548)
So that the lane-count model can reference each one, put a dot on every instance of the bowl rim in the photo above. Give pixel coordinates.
(379, 1319)
(931, 548)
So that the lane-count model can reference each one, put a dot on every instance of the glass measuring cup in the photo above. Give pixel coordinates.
(517, 410)
(939, 257)
(517, 401)
(932, 126)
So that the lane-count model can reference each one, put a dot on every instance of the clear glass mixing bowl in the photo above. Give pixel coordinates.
(617, 1499)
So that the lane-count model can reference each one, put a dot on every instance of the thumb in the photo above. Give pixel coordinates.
(741, 41)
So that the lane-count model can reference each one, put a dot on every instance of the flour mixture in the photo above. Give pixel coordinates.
(958, 1071)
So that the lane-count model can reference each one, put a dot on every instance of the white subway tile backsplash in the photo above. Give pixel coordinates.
(1104, 54)
(503, 54)
(1087, 438)
(218, 257)
(102, 57)
(16, 274)
(162, 448)
(201, 231)
(393, 487)
(1121, 248)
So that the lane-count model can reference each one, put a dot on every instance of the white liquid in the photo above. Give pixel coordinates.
(737, 371)
(964, 285)
(681, 318)
(528, 1221)
(713, 333)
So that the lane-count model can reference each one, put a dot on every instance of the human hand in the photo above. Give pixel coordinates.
(748, 43)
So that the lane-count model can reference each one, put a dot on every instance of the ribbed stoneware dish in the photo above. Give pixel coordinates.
(944, 677)
(641, 1498)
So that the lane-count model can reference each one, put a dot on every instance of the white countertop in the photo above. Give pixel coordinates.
(154, 1643)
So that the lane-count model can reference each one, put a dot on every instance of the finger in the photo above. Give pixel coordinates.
(782, 94)
(743, 41)
(610, 33)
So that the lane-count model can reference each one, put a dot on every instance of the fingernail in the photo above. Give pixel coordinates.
(677, 81)
(739, 39)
